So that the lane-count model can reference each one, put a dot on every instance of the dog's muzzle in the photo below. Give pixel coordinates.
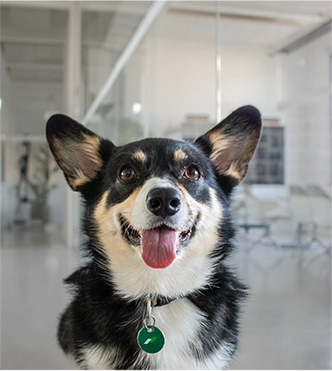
(161, 241)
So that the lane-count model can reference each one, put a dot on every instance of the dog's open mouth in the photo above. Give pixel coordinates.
(159, 246)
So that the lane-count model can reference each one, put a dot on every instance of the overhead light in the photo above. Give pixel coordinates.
(0, 104)
(137, 108)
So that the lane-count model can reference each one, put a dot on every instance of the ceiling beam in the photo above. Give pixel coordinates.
(26, 39)
(37, 4)
(95, 6)
(36, 66)
(114, 6)
(302, 38)
(193, 8)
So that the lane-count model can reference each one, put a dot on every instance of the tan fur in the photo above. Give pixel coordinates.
(91, 147)
(140, 157)
(79, 179)
(180, 155)
(78, 160)
(209, 215)
(101, 209)
(233, 172)
(227, 150)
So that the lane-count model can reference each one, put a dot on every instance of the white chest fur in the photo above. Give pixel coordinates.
(180, 321)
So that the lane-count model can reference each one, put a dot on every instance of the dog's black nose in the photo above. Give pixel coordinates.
(163, 201)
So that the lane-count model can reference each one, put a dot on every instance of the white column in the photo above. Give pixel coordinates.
(218, 64)
(1, 183)
(73, 101)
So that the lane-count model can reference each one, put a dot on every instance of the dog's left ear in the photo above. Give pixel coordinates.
(231, 144)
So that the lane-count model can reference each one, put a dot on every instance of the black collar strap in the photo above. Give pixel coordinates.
(159, 301)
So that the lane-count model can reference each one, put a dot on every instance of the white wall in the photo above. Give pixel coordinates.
(181, 80)
(34, 99)
(248, 76)
(98, 65)
(304, 107)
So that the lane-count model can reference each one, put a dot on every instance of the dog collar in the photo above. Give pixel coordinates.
(160, 301)
(150, 338)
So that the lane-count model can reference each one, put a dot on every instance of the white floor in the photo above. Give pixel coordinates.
(287, 319)
(33, 265)
(286, 322)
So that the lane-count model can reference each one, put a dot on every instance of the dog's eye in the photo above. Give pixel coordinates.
(192, 173)
(127, 173)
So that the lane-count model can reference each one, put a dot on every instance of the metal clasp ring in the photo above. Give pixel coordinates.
(149, 320)
(148, 324)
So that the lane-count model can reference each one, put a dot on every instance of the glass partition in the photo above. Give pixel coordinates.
(107, 28)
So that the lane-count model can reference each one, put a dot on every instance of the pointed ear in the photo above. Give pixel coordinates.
(231, 144)
(75, 148)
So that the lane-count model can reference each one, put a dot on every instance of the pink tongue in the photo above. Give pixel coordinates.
(159, 247)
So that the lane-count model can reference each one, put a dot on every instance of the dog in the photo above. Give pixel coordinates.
(154, 291)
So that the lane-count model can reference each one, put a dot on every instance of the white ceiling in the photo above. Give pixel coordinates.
(33, 34)
(294, 8)
(263, 23)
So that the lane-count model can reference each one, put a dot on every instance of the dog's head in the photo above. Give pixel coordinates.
(157, 204)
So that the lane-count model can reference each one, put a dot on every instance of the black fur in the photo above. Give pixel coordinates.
(99, 315)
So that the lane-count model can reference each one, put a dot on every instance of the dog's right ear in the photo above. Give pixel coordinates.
(231, 144)
(75, 148)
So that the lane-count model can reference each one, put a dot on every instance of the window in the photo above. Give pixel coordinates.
(267, 165)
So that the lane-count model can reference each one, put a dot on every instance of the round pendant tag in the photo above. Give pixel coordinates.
(151, 339)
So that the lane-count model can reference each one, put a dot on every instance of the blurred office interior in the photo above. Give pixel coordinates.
(132, 69)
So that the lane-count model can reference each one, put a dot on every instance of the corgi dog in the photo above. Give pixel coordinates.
(154, 291)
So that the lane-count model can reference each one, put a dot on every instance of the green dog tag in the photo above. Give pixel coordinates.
(151, 339)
